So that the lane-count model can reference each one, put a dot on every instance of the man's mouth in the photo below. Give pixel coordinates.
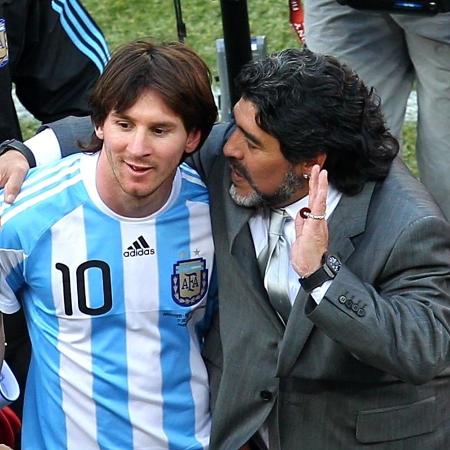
(138, 168)
(236, 172)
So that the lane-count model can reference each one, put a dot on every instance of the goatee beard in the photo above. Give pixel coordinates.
(252, 200)
(291, 183)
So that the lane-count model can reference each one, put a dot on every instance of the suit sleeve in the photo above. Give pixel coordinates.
(399, 324)
(71, 132)
(62, 138)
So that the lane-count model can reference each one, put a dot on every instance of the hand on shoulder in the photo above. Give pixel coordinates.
(13, 169)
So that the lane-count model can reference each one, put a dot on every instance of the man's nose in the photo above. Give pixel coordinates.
(233, 147)
(140, 143)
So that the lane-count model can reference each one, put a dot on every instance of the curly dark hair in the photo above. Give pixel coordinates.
(313, 104)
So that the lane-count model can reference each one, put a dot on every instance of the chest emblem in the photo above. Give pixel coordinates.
(189, 281)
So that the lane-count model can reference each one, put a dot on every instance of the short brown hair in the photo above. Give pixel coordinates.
(170, 69)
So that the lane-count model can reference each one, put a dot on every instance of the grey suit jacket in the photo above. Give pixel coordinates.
(368, 366)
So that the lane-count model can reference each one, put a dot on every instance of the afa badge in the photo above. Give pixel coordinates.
(189, 281)
(3, 44)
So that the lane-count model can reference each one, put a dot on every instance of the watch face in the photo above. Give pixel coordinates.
(334, 263)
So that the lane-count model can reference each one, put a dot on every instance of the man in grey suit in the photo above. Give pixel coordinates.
(362, 359)
(358, 358)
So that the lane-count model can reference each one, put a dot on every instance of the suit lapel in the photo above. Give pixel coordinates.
(347, 221)
(242, 249)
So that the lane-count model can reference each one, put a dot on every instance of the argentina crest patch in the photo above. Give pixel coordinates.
(3, 44)
(189, 281)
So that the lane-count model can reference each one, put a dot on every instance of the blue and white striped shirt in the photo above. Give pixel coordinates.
(115, 307)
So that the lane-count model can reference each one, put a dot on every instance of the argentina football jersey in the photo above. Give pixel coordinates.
(115, 307)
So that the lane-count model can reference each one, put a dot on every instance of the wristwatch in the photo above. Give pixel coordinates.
(327, 271)
(14, 144)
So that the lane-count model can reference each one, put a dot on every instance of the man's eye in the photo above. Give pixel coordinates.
(159, 131)
(123, 125)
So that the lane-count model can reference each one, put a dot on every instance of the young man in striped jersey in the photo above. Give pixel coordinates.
(111, 256)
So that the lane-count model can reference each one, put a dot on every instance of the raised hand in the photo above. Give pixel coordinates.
(312, 230)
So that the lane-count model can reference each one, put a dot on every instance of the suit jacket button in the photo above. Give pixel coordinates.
(266, 396)
(361, 312)
(355, 308)
(342, 299)
(349, 303)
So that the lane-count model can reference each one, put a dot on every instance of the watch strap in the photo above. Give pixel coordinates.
(315, 280)
(326, 272)
(14, 144)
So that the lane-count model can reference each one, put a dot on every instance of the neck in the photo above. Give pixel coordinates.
(135, 208)
(295, 197)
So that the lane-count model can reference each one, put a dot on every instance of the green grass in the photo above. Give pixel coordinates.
(124, 20)
(29, 127)
(409, 147)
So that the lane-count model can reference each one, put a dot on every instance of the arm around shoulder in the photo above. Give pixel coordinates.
(55, 140)
(70, 132)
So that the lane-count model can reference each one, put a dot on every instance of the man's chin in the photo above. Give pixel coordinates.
(250, 200)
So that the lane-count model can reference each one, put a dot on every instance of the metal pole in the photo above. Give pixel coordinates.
(181, 27)
(236, 34)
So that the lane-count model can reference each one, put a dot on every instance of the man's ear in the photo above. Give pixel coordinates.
(99, 132)
(304, 168)
(193, 140)
(319, 159)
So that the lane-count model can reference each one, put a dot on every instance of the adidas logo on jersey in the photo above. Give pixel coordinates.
(139, 248)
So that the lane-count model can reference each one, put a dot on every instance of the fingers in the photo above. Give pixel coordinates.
(13, 169)
(313, 183)
(13, 185)
(318, 190)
